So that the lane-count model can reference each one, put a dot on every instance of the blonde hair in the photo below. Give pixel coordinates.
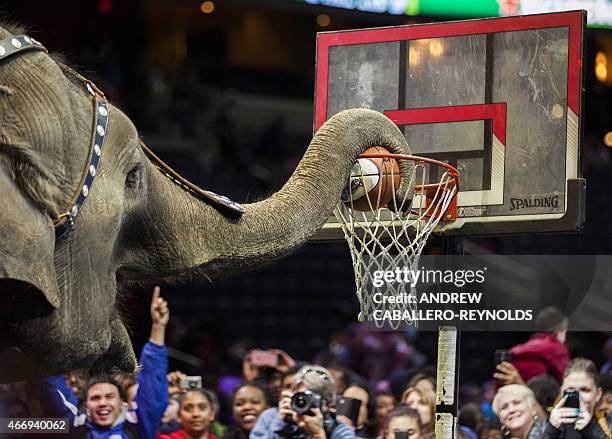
(581, 364)
(516, 390)
(426, 395)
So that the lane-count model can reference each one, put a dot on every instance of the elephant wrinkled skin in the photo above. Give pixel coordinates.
(58, 295)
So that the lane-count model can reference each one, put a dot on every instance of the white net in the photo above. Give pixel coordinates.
(385, 240)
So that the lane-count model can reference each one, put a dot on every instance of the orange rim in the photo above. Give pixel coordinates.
(427, 189)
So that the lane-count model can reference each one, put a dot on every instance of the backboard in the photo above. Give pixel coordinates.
(500, 99)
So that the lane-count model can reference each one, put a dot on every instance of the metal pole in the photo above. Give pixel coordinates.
(447, 386)
(447, 382)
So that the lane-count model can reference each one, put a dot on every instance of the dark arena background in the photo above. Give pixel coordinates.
(223, 92)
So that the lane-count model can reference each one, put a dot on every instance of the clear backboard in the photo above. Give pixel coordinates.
(500, 99)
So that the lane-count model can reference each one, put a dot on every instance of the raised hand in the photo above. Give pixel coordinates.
(563, 415)
(159, 309)
(285, 362)
(508, 374)
(160, 314)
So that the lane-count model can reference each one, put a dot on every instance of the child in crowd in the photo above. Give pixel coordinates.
(196, 413)
(248, 402)
(403, 419)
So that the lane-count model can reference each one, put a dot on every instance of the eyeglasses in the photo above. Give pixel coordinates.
(322, 374)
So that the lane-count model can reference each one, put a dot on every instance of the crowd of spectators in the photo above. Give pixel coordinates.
(538, 391)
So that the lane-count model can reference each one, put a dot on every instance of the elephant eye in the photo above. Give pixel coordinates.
(133, 179)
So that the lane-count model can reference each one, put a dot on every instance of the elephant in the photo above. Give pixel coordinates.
(141, 222)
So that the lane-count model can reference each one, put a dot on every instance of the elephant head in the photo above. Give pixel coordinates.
(58, 293)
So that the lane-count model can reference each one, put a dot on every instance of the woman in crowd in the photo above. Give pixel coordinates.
(248, 401)
(196, 413)
(515, 404)
(565, 422)
(424, 402)
(385, 403)
(365, 427)
(403, 419)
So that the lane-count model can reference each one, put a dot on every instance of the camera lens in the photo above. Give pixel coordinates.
(300, 401)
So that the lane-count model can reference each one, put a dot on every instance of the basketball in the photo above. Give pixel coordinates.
(372, 183)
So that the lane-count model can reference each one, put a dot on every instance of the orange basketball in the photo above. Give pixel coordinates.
(372, 183)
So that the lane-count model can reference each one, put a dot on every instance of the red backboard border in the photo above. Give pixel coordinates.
(574, 20)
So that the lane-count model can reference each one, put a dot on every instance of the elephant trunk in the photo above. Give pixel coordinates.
(192, 238)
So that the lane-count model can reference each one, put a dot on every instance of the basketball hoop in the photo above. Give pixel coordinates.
(382, 239)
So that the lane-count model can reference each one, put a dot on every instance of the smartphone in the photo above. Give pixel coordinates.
(190, 383)
(348, 407)
(502, 355)
(264, 358)
(402, 435)
(573, 398)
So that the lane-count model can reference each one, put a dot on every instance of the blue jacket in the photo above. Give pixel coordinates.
(151, 400)
(269, 423)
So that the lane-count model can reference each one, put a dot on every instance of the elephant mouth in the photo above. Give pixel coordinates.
(26, 311)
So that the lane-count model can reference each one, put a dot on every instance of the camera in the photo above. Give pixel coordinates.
(191, 383)
(303, 402)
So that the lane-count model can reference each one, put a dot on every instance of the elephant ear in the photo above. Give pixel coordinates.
(27, 245)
